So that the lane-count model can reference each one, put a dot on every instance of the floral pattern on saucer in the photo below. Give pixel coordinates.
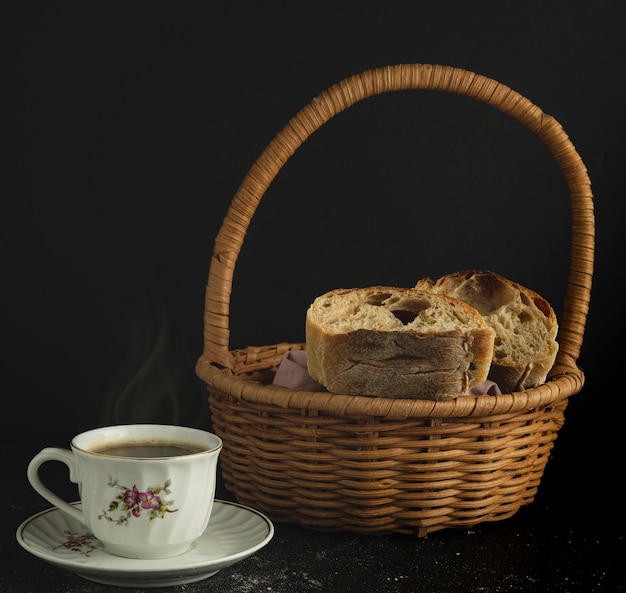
(82, 544)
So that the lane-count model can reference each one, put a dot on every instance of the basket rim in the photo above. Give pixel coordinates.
(564, 380)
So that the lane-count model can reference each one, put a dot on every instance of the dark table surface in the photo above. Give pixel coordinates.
(570, 539)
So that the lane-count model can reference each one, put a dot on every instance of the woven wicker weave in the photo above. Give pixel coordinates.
(379, 465)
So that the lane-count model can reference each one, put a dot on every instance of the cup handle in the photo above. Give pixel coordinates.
(64, 456)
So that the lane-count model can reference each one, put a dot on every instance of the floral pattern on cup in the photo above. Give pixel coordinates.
(132, 502)
(82, 544)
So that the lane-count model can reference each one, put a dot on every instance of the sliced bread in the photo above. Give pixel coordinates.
(396, 342)
(524, 322)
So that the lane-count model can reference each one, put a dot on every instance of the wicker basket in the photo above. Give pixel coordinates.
(377, 465)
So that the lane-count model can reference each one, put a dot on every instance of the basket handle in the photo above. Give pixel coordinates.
(395, 78)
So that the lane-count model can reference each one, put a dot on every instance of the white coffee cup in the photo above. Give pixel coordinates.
(146, 490)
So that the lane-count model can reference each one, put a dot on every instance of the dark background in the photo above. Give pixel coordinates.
(132, 124)
(129, 127)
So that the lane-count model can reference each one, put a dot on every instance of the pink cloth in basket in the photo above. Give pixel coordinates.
(292, 372)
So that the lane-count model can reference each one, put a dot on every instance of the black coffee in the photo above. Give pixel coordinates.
(147, 449)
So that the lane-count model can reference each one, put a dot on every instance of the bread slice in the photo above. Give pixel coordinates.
(396, 342)
(525, 324)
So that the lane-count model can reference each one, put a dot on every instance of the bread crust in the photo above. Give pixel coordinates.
(396, 342)
(525, 324)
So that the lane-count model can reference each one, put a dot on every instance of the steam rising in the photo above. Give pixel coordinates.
(157, 381)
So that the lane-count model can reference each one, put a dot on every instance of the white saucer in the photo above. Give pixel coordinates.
(234, 533)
